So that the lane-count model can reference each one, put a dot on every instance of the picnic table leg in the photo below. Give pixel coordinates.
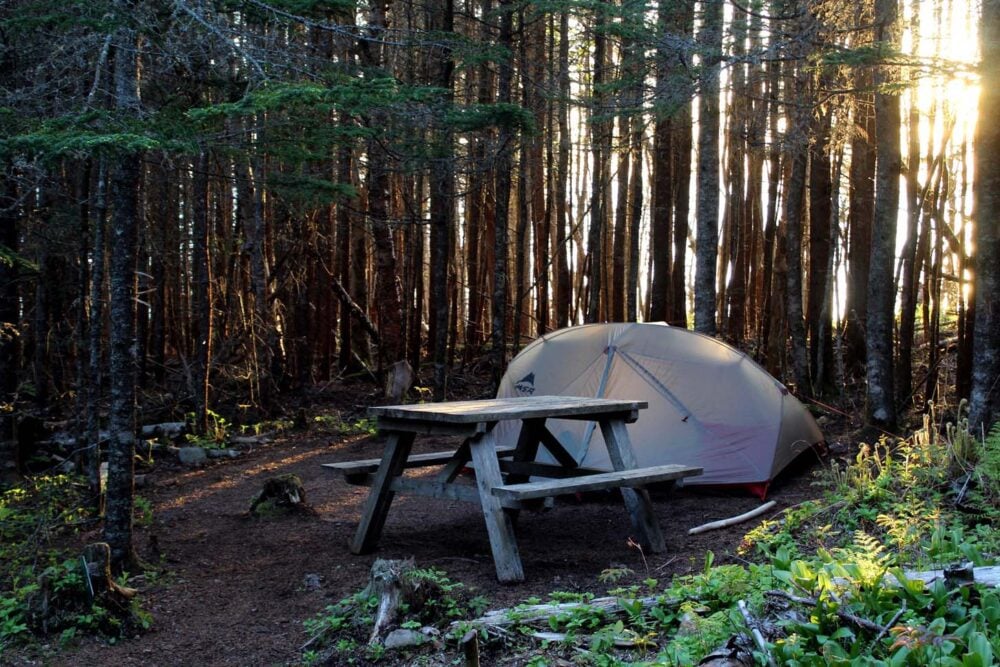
(397, 448)
(501, 531)
(637, 501)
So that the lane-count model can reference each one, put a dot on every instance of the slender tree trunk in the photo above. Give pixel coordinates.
(95, 329)
(202, 288)
(794, 205)
(985, 397)
(910, 272)
(534, 151)
(774, 170)
(442, 200)
(861, 212)
(635, 216)
(10, 352)
(125, 183)
(707, 207)
(683, 139)
(619, 259)
(502, 208)
(660, 220)
(564, 282)
(821, 194)
(681, 142)
(600, 141)
(881, 295)
(661, 209)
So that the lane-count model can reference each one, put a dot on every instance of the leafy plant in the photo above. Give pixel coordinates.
(216, 432)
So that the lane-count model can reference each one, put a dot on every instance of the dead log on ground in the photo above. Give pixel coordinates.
(498, 619)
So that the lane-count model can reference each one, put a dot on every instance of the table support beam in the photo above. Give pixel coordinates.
(397, 449)
(501, 531)
(637, 501)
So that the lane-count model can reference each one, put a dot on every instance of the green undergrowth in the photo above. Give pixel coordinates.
(932, 498)
(832, 581)
(339, 635)
(43, 587)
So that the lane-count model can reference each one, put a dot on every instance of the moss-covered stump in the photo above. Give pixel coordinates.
(283, 494)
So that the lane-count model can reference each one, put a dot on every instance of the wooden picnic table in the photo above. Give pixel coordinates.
(503, 475)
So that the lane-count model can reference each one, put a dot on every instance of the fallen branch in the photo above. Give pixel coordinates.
(356, 311)
(853, 619)
(732, 521)
(892, 622)
(758, 638)
(984, 576)
(528, 614)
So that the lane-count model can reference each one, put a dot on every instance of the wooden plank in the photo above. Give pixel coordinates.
(493, 410)
(444, 491)
(459, 461)
(637, 502)
(501, 531)
(425, 426)
(526, 469)
(364, 466)
(397, 449)
(555, 447)
(604, 480)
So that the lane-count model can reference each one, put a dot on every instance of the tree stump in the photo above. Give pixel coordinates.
(388, 582)
(398, 380)
(283, 493)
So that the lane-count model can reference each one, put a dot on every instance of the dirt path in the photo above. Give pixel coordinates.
(236, 589)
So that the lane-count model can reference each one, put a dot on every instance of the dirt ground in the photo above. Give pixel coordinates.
(234, 590)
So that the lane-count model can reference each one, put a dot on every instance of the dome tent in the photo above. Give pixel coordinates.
(710, 405)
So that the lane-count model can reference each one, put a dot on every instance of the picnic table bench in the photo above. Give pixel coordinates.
(505, 477)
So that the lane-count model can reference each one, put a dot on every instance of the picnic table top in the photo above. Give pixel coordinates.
(496, 409)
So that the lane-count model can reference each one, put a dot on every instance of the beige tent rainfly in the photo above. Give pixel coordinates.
(710, 405)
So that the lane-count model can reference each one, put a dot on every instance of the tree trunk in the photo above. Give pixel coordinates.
(564, 282)
(600, 142)
(501, 175)
(794, 205)
(774, 171)
(98, 264)
(861, 212)
(985, 398)
(9, 312)
(125, 183)
(881, 409)
(707, 207)
(635, 217)
(909, 270)
(201, 291)
(661, 210)
(821, 194)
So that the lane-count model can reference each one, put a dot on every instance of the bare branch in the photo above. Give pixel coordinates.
(99, 70)
(183, 6)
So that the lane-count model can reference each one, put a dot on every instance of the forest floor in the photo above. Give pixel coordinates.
(231, 589)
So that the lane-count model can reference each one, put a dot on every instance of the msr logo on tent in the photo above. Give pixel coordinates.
(526, 385)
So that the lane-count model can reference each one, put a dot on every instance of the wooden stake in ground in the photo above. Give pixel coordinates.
(732, 521)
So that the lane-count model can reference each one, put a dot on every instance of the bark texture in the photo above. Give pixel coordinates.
(985, 397)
